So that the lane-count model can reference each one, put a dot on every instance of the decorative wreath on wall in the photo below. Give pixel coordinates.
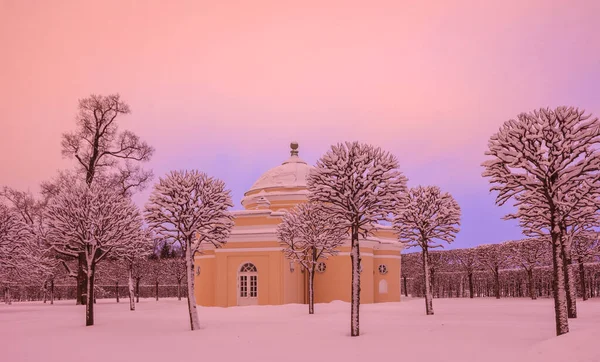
(321, 267)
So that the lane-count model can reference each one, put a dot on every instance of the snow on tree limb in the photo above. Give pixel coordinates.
(309, 234)
(93, 221)
(426, 216)
(529, 253)
(190, 208)
(357, 182)
(548, 162)
(360, 184)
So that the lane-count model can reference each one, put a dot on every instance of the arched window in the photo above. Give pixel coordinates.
(248, 284)
(383, 287)
(248, 268)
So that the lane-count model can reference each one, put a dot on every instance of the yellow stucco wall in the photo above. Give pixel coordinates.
(218, 280)
(217, 284)
(392, 278)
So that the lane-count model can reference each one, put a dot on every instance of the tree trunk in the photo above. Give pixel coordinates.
(117, 290)
(582, 278)
(427, 281)
(192, 307)
(405, 287)
(355, 303)
(89, 310)
(558, 283)
(471, 289)
(52, 291)
(532, 293)
(81, 280)
(496, 282)
(569, 282)
(157, 290)
(137, 290)
(45, 291)
(178, 289)
(130, 287)
(311, 289)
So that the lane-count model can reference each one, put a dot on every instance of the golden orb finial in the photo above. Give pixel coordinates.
(294, 147)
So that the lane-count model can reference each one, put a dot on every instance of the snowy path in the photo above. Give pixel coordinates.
(462, 330)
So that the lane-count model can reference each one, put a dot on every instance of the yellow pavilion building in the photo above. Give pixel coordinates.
(251, 269)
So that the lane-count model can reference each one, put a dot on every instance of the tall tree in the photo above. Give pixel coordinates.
(547, 161)
(360, 184)
(103, 152)
(190, 208)
(95, 222)
(425, 217)
(309, 235)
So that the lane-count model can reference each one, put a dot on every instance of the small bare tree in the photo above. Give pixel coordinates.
(309, 235)
(467, 260)
(494, 257)
(530, 254)
(190, 208)
(177, 268)
(425, 217)
(586, 246)
(360, 184)
(136, 253)
(95, 222)
(12, 232)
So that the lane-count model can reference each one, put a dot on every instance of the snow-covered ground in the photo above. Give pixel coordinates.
(461, 330)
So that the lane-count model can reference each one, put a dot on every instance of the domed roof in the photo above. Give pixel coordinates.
(290, 174)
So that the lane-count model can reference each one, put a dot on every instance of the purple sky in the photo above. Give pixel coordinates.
(224, 87)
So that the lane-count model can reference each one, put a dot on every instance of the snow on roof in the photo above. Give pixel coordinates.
(291, 173)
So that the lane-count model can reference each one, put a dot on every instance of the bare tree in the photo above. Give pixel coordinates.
(586, 246)
(310, 234)
(494, 257)
(155, 270)
(530, 254)
(136, 252)
(100, 149)
(425, 217)
(177, 268)
(103, 152)
(360, 184)
(190, 208)
(467, 259)
(539, 160)
(12, 232)
(94, 222)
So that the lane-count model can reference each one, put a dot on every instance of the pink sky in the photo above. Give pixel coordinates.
(224, 86)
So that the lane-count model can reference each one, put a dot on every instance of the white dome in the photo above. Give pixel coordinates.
(291, 173)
